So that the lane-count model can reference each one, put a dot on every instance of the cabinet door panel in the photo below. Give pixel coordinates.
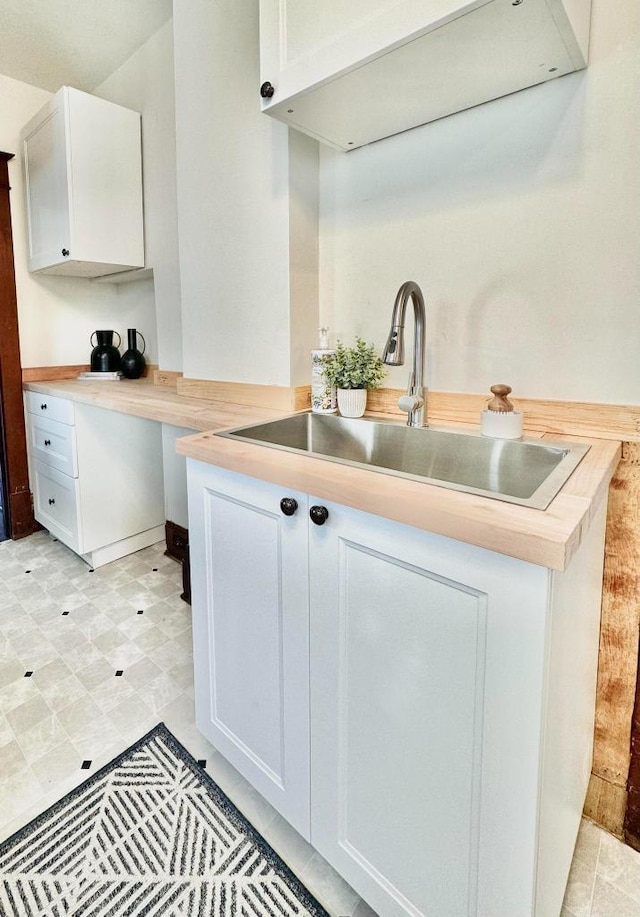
(411, 651)
(304, 43)
(423, 698)
(47, 190)
(55, 499)
(250, 606)
(107, 181)
(247, 630)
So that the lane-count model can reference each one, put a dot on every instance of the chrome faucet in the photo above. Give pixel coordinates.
(415, 401)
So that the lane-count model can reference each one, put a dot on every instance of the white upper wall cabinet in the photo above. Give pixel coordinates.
(83, 179)
(351, 73)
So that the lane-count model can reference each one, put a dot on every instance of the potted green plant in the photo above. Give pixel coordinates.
(353, 370)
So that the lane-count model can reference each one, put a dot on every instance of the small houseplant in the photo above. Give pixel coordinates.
(353, 370)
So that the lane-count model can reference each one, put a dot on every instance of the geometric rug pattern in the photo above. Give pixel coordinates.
(149, 834)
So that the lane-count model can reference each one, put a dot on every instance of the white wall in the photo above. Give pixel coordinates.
(520, 219)
(234, 205)
(145, 82)
(175, 476)
(56, 315)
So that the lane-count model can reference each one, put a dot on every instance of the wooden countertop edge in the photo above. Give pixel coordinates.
(548, 538)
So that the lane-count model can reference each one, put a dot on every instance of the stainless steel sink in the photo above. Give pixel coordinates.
(527, 472)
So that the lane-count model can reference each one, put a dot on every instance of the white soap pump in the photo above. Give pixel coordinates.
(500, 419)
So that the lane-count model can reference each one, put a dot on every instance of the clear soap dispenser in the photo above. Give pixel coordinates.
(323, 395)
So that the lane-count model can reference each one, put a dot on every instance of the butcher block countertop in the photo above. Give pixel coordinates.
(155, 402)
(549, 538)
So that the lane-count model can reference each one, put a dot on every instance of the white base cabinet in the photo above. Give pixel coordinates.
(96, 477)
(448, 693)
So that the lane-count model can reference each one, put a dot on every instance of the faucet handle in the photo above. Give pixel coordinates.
(410, 403)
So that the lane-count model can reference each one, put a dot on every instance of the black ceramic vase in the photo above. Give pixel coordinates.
(133, 363)
(105, 356)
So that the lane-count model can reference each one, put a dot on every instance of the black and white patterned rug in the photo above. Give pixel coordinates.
(149, 834)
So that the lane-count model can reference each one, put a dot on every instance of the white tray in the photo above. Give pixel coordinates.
(104, 377)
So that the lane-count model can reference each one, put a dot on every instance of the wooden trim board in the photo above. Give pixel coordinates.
(65, 372)
(570, 418)
(275, 397)
(618, 659)
(605, 804)
(53, 373)
(620, 622)
(573, 418)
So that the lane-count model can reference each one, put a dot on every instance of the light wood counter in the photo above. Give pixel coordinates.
(144, 399)
(548, 538)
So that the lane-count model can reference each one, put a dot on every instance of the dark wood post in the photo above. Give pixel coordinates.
(632, 815)
(18, 505)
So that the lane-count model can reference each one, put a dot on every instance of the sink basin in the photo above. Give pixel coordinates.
(526, 472)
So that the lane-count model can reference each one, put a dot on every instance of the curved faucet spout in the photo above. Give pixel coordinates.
(415, 401)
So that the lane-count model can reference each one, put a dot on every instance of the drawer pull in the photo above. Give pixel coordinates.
(51, 501)
(43, 407)
(47, 442)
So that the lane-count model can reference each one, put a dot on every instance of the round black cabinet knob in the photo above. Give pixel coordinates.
(319, 514)
(65, 252)
(266, 90)
(51, 501)
(288, 505)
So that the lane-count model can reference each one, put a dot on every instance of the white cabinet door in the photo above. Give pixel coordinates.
(427, 662)
(47, 188)
(83, 180)
(352, 73)
(249, 578)
(303, 42)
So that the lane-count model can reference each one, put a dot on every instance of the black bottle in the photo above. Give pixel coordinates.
(133, 363)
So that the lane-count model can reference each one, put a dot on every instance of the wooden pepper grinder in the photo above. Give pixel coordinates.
(500, 419)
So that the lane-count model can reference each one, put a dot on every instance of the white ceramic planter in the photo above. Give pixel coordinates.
(352, 401)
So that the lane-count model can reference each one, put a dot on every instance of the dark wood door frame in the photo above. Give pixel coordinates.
(18, 506)
(632, 815)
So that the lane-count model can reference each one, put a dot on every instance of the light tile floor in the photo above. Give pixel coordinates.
(90, 661)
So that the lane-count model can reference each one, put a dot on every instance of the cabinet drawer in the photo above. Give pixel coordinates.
(56, 502)
(49, 406)
(53, 443)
